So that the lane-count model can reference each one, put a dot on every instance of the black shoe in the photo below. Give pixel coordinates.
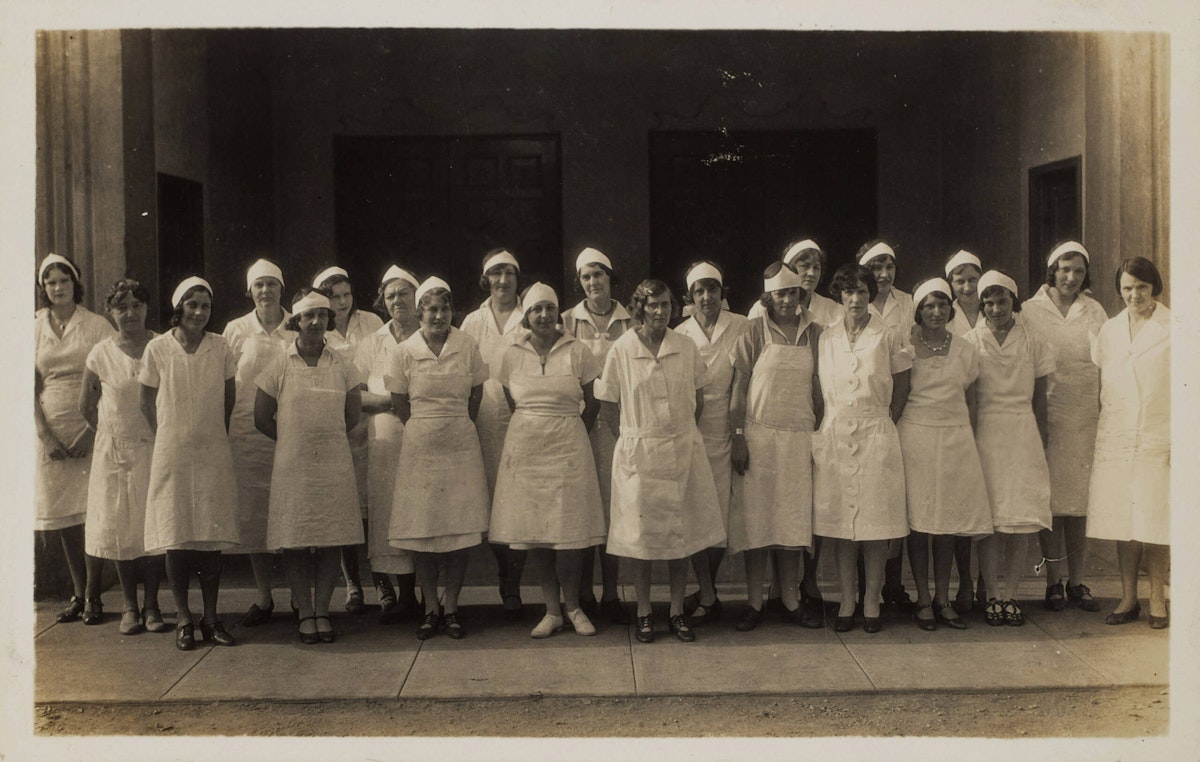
(72, 612)
(843, 624)
(325, 636)
(679, 626)
(454, 628)
(215, 633)
(395, 612)
(813, 605)
(803, 618)
(1160, 622)
(590, 605)
(1081, 596)
(429, 627)
(645, 629)
(898, 599)
(257, 615)
(308, 638)
(930, 624)
(939, 613)
(691, 602)
(513, 611)
(702, 615)
(1125, 617)
(1056, 597)
(185, 637)
(751, 617)
(774, 606)
(93, 611)
(354, 601)
(871, 624)
(614, 611)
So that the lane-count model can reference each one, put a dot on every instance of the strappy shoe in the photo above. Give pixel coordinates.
(704, 614)
(679, 626)
(325, 635)
(930, 624)
(1081, 596)
(1056, 597)
(93, 611)
(645, 629)
(308, 638)
(454, 628)
(994, 613)
(1013, 616)
(429, 626)
(72, 612)
(939, 613)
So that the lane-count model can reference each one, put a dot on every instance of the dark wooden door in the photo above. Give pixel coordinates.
(737, 198)
(180, 242)
(434, 205)
(1055, 212)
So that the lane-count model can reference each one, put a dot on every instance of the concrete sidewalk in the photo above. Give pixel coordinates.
(1069, 649)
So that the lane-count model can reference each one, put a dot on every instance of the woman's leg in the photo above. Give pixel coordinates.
(72, 545)
(943, 558)
(1129, 558)
(587, 578)
(704, 577)
(209, 564)
(1051, 542)
(962, 561)
(788, 563)
(1075, 537)
(812, 562)
(566, 566)
(988, 549)
(426, 575)
(641, 584)
(326, 567)
(128, 574)
(875, 558)
(1158, 567)
(153, 570)
(677, 574)
(1016, 554)
(348, 559)
(609, 568)
(918, 561)
(456, 573)
(179, 571)
(845, 553)
(544, 561)
(263, 566)
(756, 569)
(298, 569)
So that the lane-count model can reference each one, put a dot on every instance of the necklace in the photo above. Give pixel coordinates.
(944, 344)
(612, 305)
(854, 333)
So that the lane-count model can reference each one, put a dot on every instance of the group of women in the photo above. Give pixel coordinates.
(869, 422)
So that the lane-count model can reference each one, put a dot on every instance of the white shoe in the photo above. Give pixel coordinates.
(549, 625)
(581, 623)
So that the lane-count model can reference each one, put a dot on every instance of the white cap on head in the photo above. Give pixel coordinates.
(590, 256)
(963, 257)
(997, 278)
(794, 250)
(539, 292)
(55, 259)
(326, 274)
(313, 300)
(785, 278)
(186, 285)
(932, 286)
(263, 269)
(875, 251)
(500, 258)
(702, 271)
(394, 272)
(429, 284)
(1068, 248)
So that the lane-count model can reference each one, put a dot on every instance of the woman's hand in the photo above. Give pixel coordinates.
(82, 444)
(740, 454)
(53, 447)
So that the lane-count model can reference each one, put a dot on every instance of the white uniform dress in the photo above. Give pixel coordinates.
(314, 499)
(385, 433)
(858, 474)
(664, 504)
(775, 504)
(359, 327)
(191, 503)
(958, 324)
(61, 487)
(120, 478)
(1131, 479)
(717, 354)
(942, 474)
(253, 452)
(440, 499)
(580, 324)
(821, 310)
(492, 421)
(1006, 433)
(1072, 395)
(547, 495)
(899, 312)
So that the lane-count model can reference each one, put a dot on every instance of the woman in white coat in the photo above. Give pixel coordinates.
(1130, 499)
(1010, 432)
(307, 401)
(664, 504)
(120, 478)
(547, 496)
(494, 327)
(257, 339)
(1068, 319)
(187, 397)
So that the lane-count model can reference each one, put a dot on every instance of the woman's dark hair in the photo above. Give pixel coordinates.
(1052, 269)
(1016, 302)
(328, 284)
(380, 305)
(646, 289)
(1142, 269)
(525, 315)
(847, 278)
(765, 299)
(484, 283)
(867, 246)
(613, 279)
(293, 323)
(917, 311)
(125, 286)
(177, 314)
(425, 297)
(77, 291)
(687, 293)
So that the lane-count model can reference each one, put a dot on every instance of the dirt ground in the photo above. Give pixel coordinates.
(1118, 712)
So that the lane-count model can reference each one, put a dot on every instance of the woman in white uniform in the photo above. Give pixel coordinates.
(440, 502)
(947, 499)
(1130, 498)
(257, 339)
(858, 478)
(962, 273)
(64, 333)
(773, 409)
(120, 478)
(715, 331)
(664, 504)
(494, 327)
(1010, 433)
(307, 401)
(385, 432)
(598, 321)
(547, 497)
(1068, 319)
(350, 327)
(187, 397)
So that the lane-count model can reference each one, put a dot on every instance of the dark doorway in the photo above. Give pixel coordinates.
(435, 205)
(1055, 212)
(737, 198)
(180, 238)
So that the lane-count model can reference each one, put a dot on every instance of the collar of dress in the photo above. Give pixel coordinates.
(514, 317)
(580, 312)
(670, 345)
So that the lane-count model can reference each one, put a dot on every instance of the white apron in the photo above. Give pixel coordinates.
(314, 498)
(492, 419)
(776, 501)
(360, 326)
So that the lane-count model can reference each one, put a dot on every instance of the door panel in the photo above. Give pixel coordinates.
(1055, 212)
